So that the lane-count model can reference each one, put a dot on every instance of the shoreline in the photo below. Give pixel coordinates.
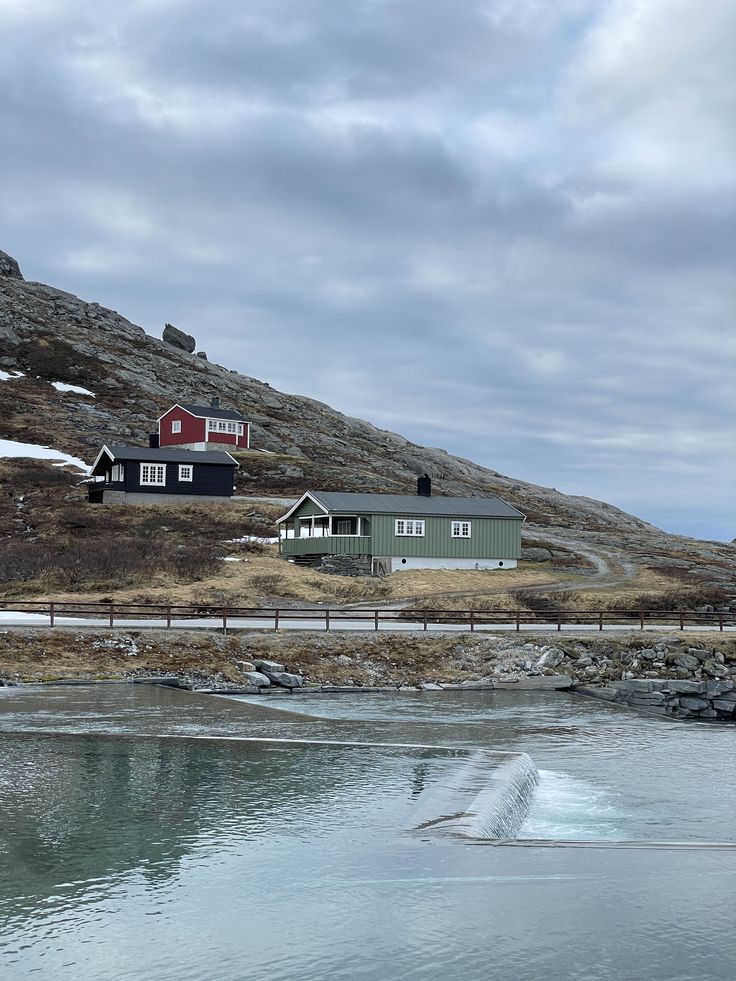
(343, 661)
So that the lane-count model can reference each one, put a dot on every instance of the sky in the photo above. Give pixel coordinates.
(502, 227)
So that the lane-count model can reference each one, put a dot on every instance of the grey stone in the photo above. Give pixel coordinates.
(267, 666)
(647, 698)
(257, 678)
(633, 684)
(728, 696)
(430, 686)
(699, 653)
(693, 703)
(245, 666)
(551, 658)
(177, 338)
(714, 669)
(708, 713)
(9, 267)
(285, 679)
(686, 661)
(719, 687)
(648, 654)
(723, 705)
(687, 687)
(202, 355)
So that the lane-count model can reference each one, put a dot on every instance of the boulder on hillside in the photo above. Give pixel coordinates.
(177, 338)
(9, 267)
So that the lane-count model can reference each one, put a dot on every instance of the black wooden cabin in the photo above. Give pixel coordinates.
(143, 475)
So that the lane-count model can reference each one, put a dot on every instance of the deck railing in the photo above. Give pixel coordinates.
(168, 615)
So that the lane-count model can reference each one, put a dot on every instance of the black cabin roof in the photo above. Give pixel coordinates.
(166, 454)
(212, 413)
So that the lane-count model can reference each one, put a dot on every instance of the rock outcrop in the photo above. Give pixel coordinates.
(177, 338)
(9, 267)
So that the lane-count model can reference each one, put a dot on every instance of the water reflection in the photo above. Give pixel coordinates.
(137, 856)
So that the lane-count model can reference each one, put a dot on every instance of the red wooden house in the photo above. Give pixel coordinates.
(203, 427)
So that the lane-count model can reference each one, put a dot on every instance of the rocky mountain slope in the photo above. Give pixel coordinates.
(49, 335)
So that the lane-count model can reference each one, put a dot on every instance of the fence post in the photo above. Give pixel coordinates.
(51, 614)
(641, 619)
(600, 620)
(224, 620)
(559, 620)
(327, 619)
(425, 619)
(472, 622)
(168, 618)
(275, 619)
(376, 619)
(682, 621)
(518, 621)
(112, 614)
(720, 622)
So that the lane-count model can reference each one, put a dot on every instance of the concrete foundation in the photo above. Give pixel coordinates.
(122, 497)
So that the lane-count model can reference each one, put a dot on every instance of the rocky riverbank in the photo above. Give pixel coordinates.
(364, 660)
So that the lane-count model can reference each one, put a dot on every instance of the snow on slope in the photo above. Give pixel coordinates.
(63, 387)
(11, 448)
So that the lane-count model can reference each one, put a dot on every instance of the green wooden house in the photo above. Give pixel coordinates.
(380, 533)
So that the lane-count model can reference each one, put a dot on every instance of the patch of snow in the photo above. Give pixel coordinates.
(11, 448)
(233, 558)
(18, 615)
(63, 387)
(10, 375)
(252, 538)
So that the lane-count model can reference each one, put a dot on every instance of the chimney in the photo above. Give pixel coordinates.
(424, 486)
(215, 403)
(153, 441)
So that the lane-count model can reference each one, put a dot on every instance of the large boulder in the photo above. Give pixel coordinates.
(9, 267)
(177, 338)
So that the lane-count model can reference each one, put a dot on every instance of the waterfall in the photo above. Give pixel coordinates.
(487, 796)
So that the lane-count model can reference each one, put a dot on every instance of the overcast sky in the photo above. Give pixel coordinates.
(504, 227)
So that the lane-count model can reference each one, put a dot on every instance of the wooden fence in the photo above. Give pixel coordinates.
(113, 614)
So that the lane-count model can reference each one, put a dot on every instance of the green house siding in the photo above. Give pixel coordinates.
(491, 538)
(498, 538)
(307, 509)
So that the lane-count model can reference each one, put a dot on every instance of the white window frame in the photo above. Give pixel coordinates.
(409, 527)
(240, 429)
(232, 427)
(461, 529)
(116, 474)
(212, 425)
(176, 425)
(186, 472)
(153, 475)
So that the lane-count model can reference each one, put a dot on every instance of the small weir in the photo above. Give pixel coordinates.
(488, 795)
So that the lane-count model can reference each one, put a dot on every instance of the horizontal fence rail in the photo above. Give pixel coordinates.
(168, 615)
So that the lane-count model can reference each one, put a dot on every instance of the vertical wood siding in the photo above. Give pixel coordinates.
(492, 538)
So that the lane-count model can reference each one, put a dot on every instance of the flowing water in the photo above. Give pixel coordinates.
(153, 834)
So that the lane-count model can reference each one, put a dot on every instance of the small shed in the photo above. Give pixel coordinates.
(168, 475)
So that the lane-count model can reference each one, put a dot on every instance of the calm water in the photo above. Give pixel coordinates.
(141, 840)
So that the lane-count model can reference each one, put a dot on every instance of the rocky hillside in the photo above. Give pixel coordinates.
(49, 335)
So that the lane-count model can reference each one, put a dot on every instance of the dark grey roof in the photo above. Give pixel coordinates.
(170, 454)
(212, 413)
(466, 507)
